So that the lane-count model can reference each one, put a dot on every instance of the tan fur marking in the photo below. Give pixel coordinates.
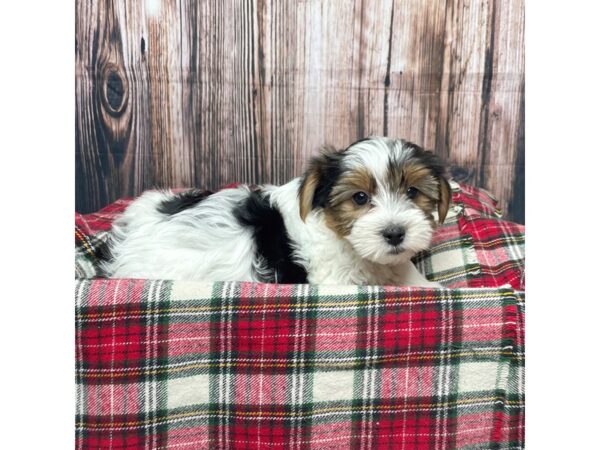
(307, 193)
(343, 212)
(417, 175)
(313, 174)
(445, 198)
(433, 191)
(351, 182)
(341, 218)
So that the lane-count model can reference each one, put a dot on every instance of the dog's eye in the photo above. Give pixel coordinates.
(360, 198)
(412, 192)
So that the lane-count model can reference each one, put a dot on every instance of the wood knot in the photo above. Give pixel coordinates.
(114, 90)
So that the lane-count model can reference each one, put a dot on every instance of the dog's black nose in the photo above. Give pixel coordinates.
(394, 235)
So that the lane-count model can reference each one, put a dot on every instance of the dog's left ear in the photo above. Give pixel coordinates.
(318, 180)
(438, 168)
(445, 197)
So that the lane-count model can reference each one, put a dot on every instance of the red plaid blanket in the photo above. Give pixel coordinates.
(189, 365)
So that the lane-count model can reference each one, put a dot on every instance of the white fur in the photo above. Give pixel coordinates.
(201, 243)
(375, 153)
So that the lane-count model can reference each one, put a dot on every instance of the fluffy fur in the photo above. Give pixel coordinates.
(356, 216)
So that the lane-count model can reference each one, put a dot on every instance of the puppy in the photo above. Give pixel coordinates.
(356, 216)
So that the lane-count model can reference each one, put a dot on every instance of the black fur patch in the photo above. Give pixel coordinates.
(182, 201)
(429, 159)
(102, 251)
(327, 167)
(272, 240)
(331, 171)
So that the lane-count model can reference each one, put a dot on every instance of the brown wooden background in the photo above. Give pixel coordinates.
(178, 93)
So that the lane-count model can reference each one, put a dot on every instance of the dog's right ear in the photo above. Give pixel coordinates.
(318, 180)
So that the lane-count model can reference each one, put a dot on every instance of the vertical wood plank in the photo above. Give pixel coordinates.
(416, 67)
(91, 178)
(276, 75)
(225, 144)
(502, 140)
(138, 167)
(168, 70)
(468, 27)
(111, 148)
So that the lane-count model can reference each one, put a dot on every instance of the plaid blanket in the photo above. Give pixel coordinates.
(188, 365)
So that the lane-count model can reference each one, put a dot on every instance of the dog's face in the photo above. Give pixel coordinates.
(379, 194)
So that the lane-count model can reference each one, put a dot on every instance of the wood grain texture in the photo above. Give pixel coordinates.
(179, 93)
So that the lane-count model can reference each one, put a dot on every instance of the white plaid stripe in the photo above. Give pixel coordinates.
(407, 366)
(444, 372)
(366, 378)
(260, 386)
(225, 380)
(81, 391)
(150, 386)
(299, 377)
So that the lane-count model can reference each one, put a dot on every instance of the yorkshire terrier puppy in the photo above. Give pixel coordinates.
(356, 216)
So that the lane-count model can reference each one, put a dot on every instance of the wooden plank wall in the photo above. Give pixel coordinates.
(177, 93)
